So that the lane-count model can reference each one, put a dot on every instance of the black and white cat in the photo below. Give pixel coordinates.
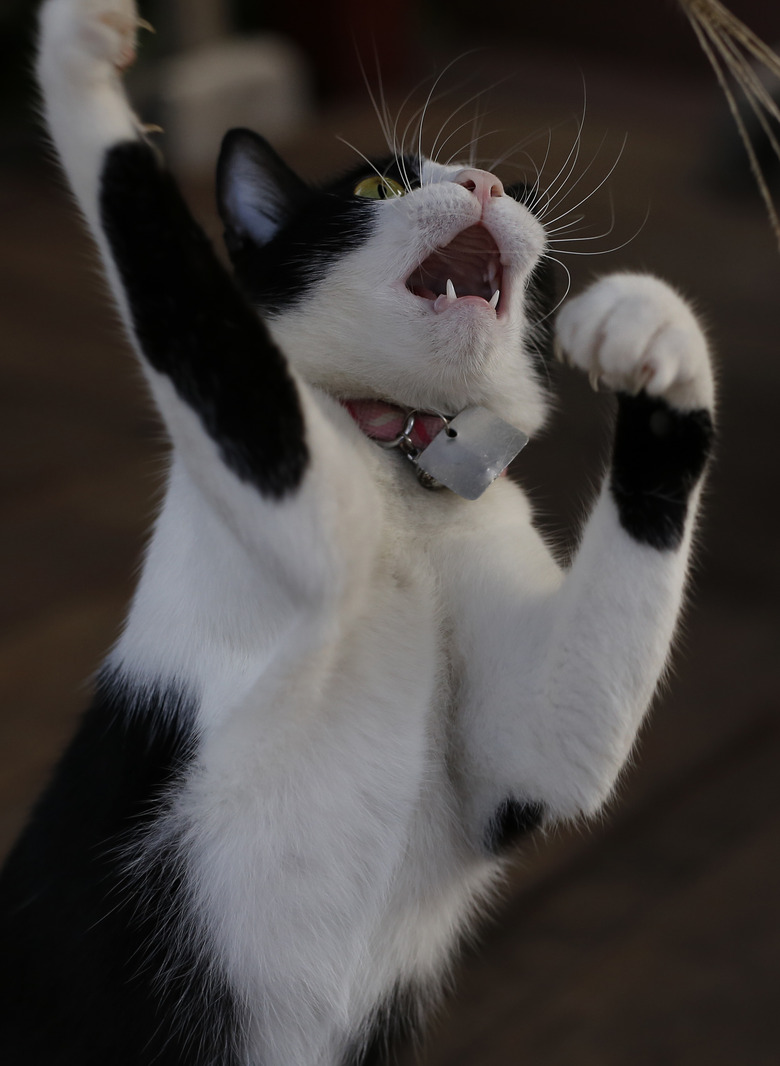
(339, 696)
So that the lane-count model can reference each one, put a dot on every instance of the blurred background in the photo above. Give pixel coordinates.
(652, 936)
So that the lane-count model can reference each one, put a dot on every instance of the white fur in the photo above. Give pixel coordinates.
(633, 331)
(377, 667)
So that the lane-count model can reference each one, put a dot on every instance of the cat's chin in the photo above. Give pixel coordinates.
(467, 335)
(470, 312)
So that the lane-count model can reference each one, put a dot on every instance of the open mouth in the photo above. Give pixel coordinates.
(468, 268)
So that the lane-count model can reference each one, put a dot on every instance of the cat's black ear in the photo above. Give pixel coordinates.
(256, 190)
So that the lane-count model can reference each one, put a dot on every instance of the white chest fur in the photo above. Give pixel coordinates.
(323, 817)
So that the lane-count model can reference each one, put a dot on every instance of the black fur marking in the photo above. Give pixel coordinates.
(395, 1026)
(512, 821)
(99, 960)
(196, 328)
(328, 223)
(277, 275)
(659, 455)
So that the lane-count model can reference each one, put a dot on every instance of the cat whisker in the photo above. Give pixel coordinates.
(380, 105)
(593, 191)
(476, 135)
(400, 146)
(567, 227)
(458, 153)
(431, 96)
(505, 158)
(505, 161)
(407, 141)
(423, 112)
(388, 125)
(436, 149)
(362, 155)
(475, 119)
(567, 272)
(471, 144)
(555, 188)
(536, 196)
(555, 199)
(600, 251)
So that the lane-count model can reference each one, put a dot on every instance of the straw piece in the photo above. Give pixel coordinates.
(728, 42)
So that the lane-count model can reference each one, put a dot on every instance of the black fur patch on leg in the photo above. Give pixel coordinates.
(194, 326)
(512, 821)
(659, 455)
(100, 955)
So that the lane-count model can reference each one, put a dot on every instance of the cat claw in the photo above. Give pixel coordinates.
(142, 24)
(120, 42)
(643, 378)
(594, 377)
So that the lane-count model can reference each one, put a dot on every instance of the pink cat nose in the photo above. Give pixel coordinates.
(481, 182)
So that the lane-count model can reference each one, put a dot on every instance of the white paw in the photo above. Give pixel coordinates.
(633, 332)
(89, 32)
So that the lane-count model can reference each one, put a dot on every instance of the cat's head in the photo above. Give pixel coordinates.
(352, 279)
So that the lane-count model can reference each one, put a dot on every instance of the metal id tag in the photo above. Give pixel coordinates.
(471, 452)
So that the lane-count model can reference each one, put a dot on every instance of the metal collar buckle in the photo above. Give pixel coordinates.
(404, 439)
(407, 447)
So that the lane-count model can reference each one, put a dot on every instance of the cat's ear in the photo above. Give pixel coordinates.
(256, 190)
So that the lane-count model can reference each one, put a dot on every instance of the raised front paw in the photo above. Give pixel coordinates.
(86, 32)
(632, 332)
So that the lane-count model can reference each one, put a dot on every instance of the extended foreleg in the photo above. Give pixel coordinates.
(552, 733)
(187, 319)
(619, 606)
(254, 440)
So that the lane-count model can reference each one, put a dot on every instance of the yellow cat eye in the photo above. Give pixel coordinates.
(376, 188)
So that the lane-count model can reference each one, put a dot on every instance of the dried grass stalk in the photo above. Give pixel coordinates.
(732, 48)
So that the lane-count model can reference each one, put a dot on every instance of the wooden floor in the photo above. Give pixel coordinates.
(652, 937)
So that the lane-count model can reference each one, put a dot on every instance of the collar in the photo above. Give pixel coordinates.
(391, 425)
(465, 453)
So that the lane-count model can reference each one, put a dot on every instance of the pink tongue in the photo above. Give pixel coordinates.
(444, 301)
